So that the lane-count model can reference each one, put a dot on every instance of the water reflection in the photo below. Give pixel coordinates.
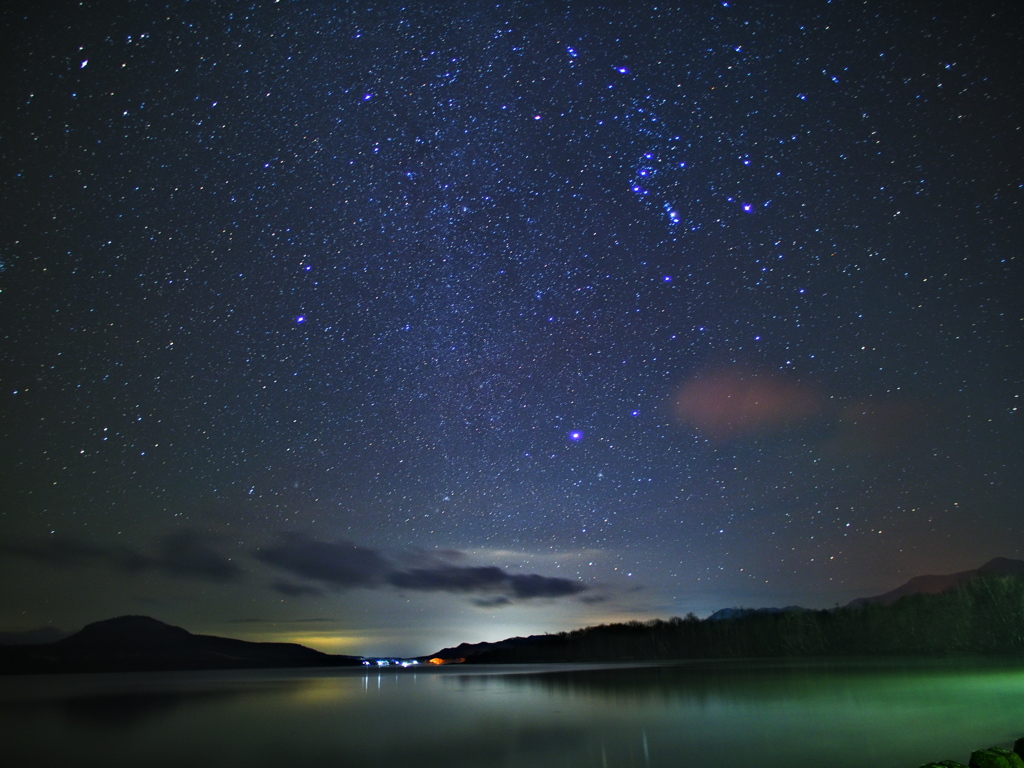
(896, 712)
(130, 700)
(122, 711)
(792, 715)
(758, 683)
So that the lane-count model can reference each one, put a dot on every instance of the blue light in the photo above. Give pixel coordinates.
(576, 435)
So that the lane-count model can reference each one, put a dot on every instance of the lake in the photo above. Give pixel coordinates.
(885, 714)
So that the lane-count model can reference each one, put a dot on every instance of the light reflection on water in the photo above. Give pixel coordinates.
(796, 715)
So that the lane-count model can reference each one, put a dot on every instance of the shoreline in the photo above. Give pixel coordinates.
(990, 757)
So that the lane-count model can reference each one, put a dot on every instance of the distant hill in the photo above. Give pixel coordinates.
(473, 651)
(136, 643)
(32, 636)
(933, 585)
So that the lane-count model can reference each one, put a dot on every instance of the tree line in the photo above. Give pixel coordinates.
(984, 615)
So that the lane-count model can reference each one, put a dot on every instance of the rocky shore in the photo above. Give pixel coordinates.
(993, 757)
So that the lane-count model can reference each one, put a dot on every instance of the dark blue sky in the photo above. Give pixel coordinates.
(386, 328)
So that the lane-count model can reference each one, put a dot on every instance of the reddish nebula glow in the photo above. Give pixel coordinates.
(729, 403)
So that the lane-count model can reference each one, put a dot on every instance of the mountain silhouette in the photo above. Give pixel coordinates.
(131, 634)
(136, 643)
(933, 585)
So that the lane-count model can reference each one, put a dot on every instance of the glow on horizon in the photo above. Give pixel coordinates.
(346, 644)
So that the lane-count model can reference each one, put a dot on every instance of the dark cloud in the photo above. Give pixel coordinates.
(193, 554)
(451, 578)
(528, 586)
(498, 601)
(67, 552)
(339, 563)
(186, 554)
(296, 590)
(531, 585)
(343, 564)
(431, 558)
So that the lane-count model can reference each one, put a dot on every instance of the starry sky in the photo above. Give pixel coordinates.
(383, 328)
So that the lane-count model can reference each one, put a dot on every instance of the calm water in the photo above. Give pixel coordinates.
(885, 715)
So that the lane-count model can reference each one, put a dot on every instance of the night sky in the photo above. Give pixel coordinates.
(384, 328)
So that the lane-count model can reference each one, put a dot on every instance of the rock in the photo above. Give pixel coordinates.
(1018, 746)
(994, 757)
(944, 764)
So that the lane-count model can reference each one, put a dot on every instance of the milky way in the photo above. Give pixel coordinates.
(404, 326)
